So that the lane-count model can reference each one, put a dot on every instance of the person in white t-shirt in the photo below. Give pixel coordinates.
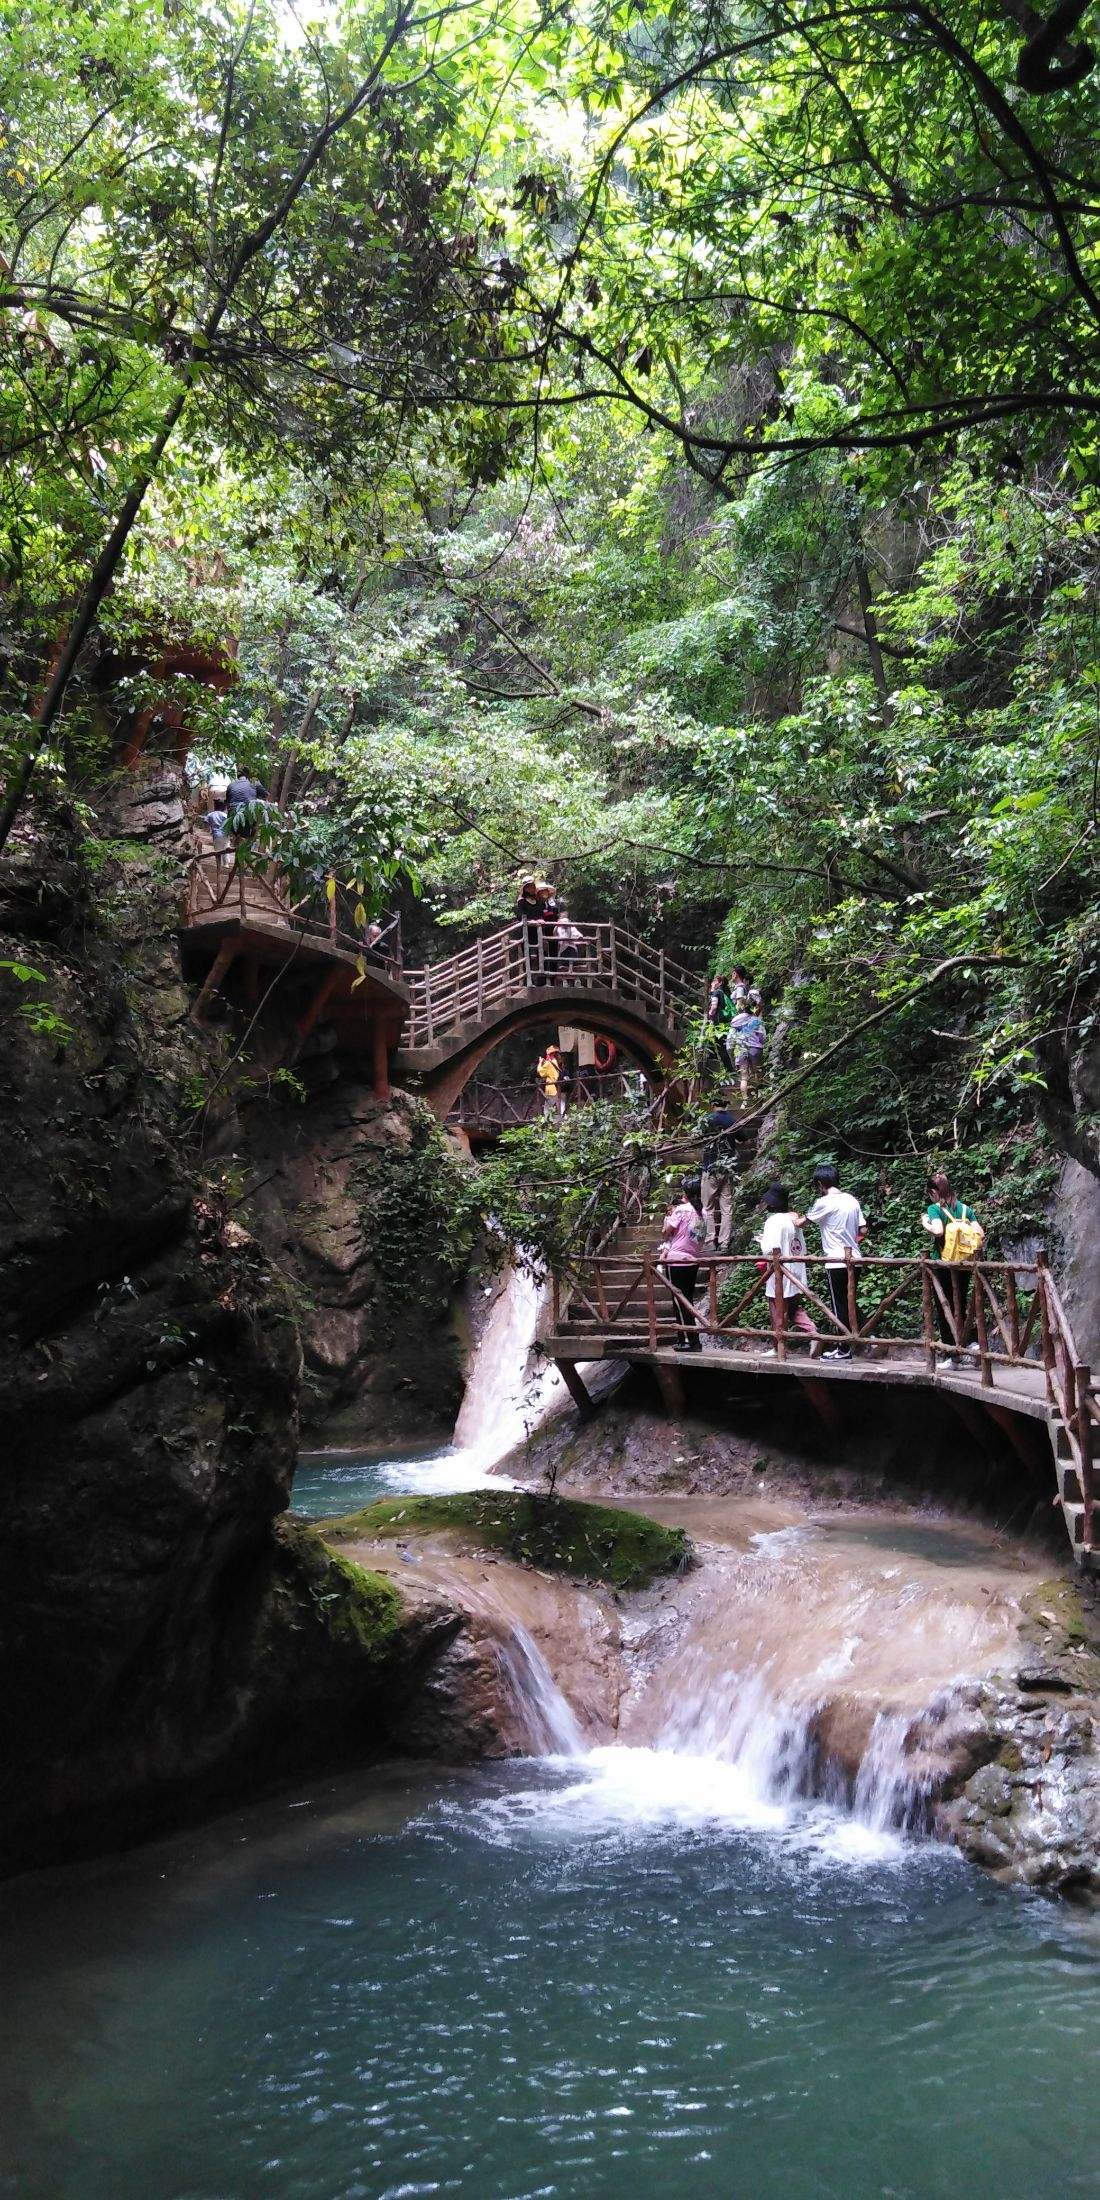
(782, 1234)
(843, 1226)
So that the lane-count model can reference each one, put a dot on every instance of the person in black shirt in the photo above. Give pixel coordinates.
(528, 914)
(241, 802)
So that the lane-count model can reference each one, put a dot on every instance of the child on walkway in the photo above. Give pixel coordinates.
(782, 1234)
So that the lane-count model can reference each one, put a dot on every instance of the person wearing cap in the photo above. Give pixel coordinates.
(549, 1074)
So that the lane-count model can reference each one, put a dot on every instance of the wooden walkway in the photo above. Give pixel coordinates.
(990, 1336)
(238, 921)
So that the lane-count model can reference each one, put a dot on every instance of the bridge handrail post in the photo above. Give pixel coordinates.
(661, 979)
(1044, 1324)
(1013, 1312)
(980, 1325)
(850, 1285)
(480, 979)
(650, 1298)
(1085, 1441)
(927, 1316)
(780, 1304)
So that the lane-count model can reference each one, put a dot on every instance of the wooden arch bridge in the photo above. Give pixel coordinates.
(436, 1025)
(518, 980)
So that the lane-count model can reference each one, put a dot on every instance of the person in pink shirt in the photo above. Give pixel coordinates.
(683, 1232)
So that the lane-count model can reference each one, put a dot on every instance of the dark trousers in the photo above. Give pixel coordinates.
(946, 1276)
(838, 1292)
(684, 1276)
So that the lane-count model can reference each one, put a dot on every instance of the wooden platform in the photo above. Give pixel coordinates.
(1003, 1324)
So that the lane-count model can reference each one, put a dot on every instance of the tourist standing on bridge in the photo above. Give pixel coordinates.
(682, 1234)
(843, 1226)
(528, 915)
(549, 912)
(944, 1208)
(568, 943)
(550, 1074)
(782, 1234)
(719, 1167)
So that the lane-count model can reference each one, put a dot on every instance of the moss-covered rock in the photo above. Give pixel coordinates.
(593, 1542)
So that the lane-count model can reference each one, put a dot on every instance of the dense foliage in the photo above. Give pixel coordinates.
(659, 448)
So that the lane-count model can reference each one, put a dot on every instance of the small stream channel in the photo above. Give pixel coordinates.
(610, 1973)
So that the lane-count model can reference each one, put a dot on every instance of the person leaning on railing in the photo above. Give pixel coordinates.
(942, 1210)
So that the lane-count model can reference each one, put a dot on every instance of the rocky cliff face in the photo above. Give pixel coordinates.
(162, 1638)
(353, 1206)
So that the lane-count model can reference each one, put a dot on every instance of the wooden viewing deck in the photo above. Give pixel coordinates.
(239, 919)
(1005, 1322)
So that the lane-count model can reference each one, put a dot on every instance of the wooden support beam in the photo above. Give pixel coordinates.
(823, 1402)
(671, 1389)
(380, 1059)
(972, 1417)
(578, 1390)
(215, 976)
(1029, 1448)
(318, 1001)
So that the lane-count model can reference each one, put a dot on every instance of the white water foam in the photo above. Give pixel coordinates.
(509, 1395)
(746, 1768)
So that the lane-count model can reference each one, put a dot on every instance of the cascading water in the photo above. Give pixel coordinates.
(509, 1394)
(541, 1711)
(807, 1693)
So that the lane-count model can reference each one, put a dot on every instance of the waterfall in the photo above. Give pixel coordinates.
(509, 1393)
(543, 1714)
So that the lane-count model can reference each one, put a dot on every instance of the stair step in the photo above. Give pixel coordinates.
(1069, 1484)
(1075, 1522)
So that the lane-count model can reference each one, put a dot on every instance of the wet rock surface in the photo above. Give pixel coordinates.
(380, 1333)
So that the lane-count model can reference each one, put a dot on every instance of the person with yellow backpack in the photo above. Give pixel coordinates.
(957, 1237)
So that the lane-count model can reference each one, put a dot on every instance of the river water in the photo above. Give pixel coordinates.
(542, 1980)
(622, 1972)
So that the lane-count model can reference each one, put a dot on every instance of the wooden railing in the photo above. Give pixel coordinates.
(485, 1106)
(220, 883)
(464, 989)
(995, 1314)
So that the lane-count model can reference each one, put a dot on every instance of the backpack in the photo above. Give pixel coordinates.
(962, 1240)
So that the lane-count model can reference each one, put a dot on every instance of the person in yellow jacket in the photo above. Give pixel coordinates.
(549, 1074)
